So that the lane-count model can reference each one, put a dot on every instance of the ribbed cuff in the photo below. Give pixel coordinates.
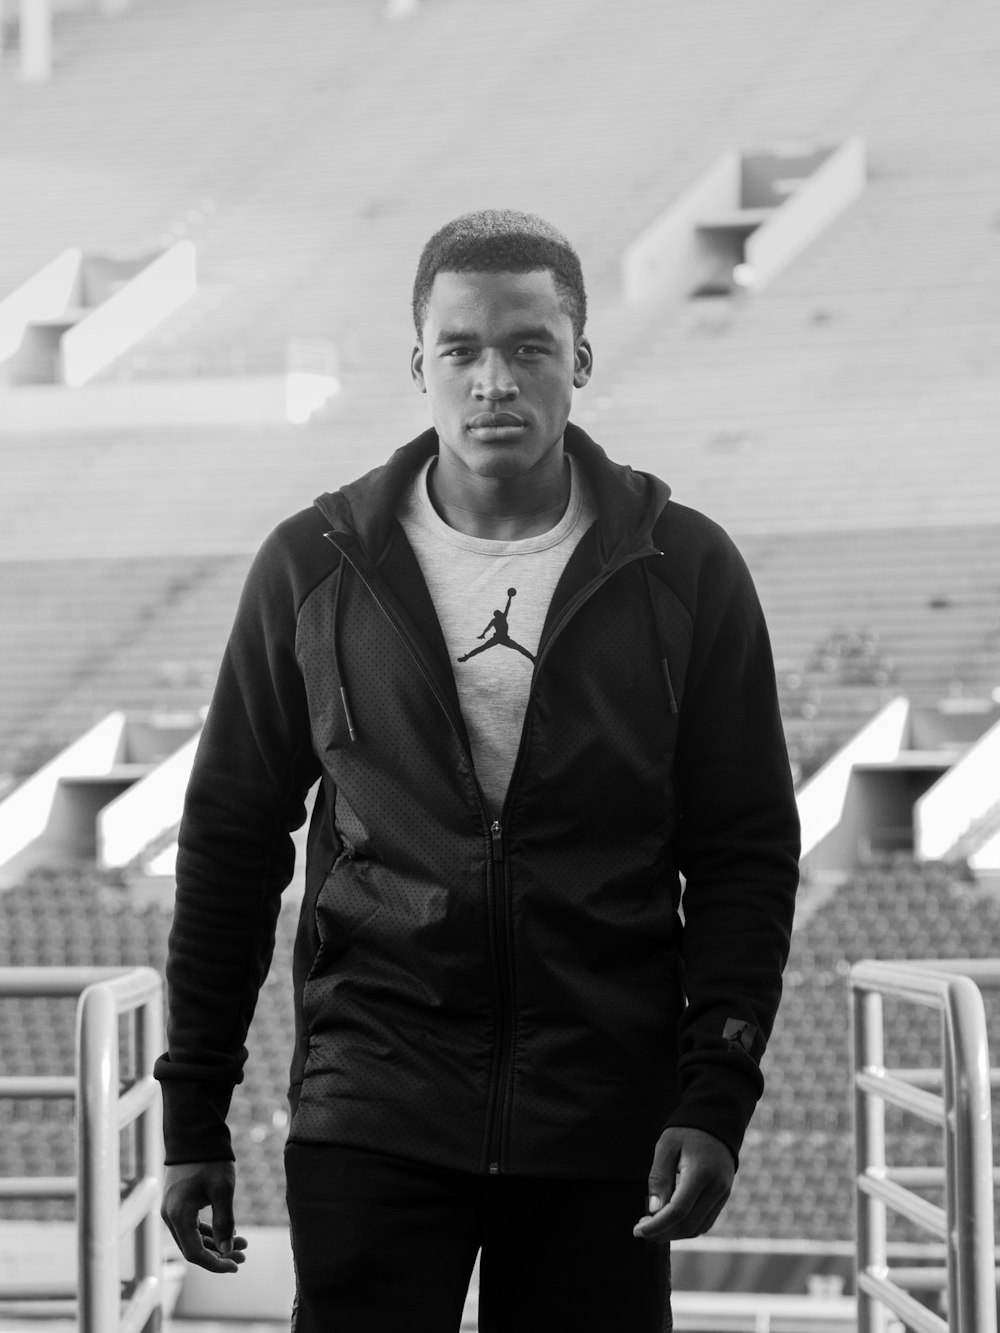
(720, 1107)
(194, 1120)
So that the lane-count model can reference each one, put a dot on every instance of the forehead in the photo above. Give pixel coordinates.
(494, 302)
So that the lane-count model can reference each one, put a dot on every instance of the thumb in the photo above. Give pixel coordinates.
(663, 1174)
(223, 1225)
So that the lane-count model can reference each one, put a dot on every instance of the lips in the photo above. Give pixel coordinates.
(496, 421)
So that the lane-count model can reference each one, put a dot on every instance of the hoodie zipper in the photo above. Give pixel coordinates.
(499, 934)
(504, 963)
(502, 987)
(499, 1076)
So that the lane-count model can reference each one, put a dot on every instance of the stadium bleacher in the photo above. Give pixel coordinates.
(350, 160)
(146, 634)
(796, 1178)
(924, 619)
(784, 417)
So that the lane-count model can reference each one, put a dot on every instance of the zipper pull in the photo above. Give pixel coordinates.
(497, 834)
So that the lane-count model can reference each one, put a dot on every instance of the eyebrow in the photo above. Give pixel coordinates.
(537, 333)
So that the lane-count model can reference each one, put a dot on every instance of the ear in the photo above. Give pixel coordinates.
(417, 366)
(583, 362)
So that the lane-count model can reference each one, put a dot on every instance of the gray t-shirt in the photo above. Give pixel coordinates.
(491, 598)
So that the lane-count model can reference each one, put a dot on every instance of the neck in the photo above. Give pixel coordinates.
(500, 508)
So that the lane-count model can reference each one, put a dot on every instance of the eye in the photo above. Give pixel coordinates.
(529, 349)
(459, 353)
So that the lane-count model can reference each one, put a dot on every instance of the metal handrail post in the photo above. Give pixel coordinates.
(103, 1222)
(149, 1155)
(970, 1131)
(104, 1218)
(963, 1112)
(98, 1163)
(872, 1251)
(952, 1202)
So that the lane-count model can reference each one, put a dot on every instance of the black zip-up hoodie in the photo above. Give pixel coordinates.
(512, 995)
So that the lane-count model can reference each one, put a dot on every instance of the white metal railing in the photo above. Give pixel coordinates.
(106, 1217)
(956, 1098)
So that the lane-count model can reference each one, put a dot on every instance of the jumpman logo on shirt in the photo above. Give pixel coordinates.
(501, 634)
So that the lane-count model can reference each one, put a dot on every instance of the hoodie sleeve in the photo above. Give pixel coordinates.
(737, 847)
(252, 771)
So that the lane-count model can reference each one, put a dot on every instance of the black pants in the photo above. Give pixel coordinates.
(383, 1244)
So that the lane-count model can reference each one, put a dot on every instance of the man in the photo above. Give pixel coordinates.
(506, 1037)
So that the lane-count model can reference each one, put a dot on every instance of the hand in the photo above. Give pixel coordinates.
(689, 1184)
(189, 1187)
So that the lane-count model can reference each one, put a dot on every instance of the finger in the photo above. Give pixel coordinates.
(666, 1226)
(209, 1241)
(223, 1225)
(200, 1248)
(168, 1220)
(663, 1177)
(700, 1217)
(182, 1219)
(206, 1256)
(692, 1218)
(670, 1221)
(708, 1222)
(205, 1229)
(237, 1257)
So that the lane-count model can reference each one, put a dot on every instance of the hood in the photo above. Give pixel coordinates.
(628, 502)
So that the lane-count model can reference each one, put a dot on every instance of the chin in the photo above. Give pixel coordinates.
(500, 460)
(500, 466)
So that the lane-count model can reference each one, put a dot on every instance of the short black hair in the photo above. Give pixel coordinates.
(501, 240)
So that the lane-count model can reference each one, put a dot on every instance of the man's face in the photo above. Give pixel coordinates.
(498, 362)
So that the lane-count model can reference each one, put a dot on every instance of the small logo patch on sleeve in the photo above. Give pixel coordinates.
(739, 1034)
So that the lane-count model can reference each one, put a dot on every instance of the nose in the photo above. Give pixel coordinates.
(495, 382)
